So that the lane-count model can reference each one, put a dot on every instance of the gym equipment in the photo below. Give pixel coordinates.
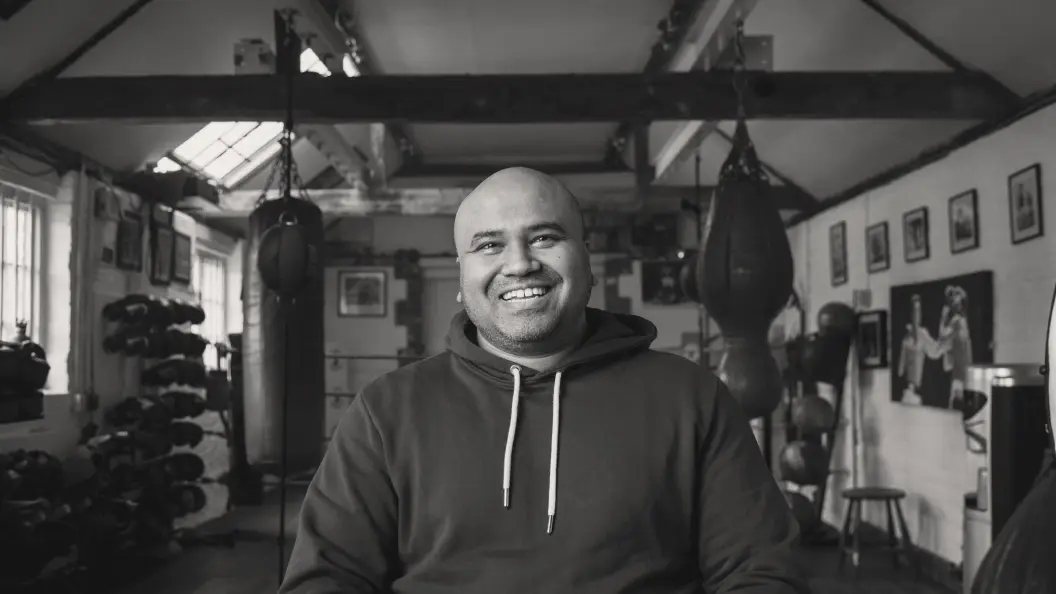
(284, 346)
(823, 357)
(283, 308)
(803, 510)
(745, 269)
(812, 414)
(147, 310)
(804, 463)
(836, 317)
(177, 370)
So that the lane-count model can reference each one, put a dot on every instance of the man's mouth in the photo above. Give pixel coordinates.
(525, 294)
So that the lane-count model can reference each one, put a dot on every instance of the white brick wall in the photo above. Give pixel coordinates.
(922, 450)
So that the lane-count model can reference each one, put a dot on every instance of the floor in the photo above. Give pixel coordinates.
(251, 566)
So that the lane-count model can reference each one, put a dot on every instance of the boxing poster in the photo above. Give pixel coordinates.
(939, 329)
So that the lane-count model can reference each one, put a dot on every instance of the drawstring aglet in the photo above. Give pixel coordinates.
(550, 524)
(506, 498)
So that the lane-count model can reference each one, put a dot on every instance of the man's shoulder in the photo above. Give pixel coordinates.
(672, 363)
(670, 370)
(408, 379)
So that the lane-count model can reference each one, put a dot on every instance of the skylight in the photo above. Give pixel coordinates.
(229, 152)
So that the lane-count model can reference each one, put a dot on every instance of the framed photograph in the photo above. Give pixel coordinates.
(877, 247)
(161, 250)
(915, 243)
(181, 258)
(130, 243)
(361, 293)
(872, 340)
(838, 253)
(939, 329)
(964, 222)
(1024, 204)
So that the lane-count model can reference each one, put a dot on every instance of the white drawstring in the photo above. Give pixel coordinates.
(507, 463)
(508, 459)
(551, 506)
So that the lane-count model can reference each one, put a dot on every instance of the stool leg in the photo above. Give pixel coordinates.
(856, 538)
(907, 543)
(892, 536)
(845, 532)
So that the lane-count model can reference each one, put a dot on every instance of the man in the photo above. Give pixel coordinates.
(548, 450)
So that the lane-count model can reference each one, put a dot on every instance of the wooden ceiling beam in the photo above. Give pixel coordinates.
(341, 17)
(482, 170)
(445, 201)
(508, 98)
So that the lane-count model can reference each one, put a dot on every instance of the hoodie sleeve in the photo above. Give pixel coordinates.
(747, 534)
(346, 541)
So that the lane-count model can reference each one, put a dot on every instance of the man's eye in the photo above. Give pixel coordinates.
(546, 238)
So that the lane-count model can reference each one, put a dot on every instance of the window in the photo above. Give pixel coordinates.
(20, 262)
(210, 280)
(229, 152)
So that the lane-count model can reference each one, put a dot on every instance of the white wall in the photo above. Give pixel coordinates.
(919, 449)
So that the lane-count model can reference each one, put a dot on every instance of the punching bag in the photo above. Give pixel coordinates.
(744, 271)
(1020, 559)
(283, 342)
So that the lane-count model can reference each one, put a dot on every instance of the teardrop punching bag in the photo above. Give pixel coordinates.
(1020, 559)
(283, 339)
(745, 274)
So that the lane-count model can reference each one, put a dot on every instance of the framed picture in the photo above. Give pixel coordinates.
(838, 253)
(161, 249)
(181, 258)
(877, 247)
(130, 243)
(361, 293)
(872, 339)
(964, 222)
(1024, 204)
(915, 243)
(939, 329)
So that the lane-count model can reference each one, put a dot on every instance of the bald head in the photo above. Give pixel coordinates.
(524, 269)
(518, 188)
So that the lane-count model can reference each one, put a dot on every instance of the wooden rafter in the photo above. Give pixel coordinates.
(996, 86)
(445, 201)
(345, 22)
(53, 72)
(509, 98)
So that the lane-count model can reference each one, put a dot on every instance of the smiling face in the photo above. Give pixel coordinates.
(525, 269)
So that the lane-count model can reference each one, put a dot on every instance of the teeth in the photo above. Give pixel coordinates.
(525, 293)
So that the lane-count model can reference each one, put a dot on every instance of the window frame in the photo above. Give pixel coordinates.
(39, 203)
(203, 252)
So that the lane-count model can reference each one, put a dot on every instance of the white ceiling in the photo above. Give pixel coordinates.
(1010, 40)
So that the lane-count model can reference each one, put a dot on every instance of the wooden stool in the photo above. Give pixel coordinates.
(892, 498)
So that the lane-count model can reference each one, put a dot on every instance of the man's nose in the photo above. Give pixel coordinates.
(519, 261)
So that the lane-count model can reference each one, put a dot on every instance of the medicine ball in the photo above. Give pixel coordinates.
(804, 463)
(812, 414)
(836, 317)
(803, 510)
(824, 357)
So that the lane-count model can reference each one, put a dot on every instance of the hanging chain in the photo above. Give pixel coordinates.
(743, 162)
(285, 166)
(739, 68)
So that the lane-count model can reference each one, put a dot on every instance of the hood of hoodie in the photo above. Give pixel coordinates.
(609, 336)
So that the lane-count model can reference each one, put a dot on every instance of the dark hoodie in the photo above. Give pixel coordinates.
(627, 470)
